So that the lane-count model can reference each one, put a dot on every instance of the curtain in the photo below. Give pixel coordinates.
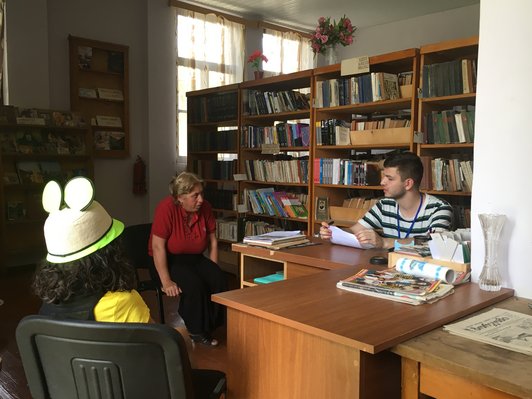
(210, 53)
(287, 52)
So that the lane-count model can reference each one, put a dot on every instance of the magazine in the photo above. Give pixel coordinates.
(396, 286)
(431, 271)
(500, 327)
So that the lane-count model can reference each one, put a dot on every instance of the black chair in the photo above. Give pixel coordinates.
(67, 359)
(135, 239)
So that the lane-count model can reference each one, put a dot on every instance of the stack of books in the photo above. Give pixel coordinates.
(277, 239)
(396, 286)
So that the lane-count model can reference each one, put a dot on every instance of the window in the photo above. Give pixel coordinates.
(286, 51)
(210, 53)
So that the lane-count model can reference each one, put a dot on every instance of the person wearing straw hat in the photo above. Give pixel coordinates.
(85, 274)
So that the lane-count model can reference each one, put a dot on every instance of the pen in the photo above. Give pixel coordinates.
(330, 222)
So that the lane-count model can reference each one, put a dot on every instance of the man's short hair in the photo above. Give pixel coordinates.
(408, 165)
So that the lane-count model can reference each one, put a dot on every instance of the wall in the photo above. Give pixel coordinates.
(502, 137)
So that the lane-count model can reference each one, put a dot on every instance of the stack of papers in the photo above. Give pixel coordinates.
(277, 239)
(396, 286)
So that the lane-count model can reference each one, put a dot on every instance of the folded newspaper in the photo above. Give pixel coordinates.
(500, 327)
(396, 286)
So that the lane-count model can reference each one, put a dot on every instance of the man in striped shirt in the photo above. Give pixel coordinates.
(404, 212)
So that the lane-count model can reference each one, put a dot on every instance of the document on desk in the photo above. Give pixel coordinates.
(342, 237)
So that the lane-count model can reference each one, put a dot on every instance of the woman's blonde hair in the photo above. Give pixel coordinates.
(184, 183)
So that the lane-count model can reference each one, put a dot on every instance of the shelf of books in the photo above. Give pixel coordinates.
(35, 146)
(357, 119)
(274, 153)
(99, 88)
(212, 130)
(446, 121)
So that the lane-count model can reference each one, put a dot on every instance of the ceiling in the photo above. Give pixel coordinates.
(303, 14)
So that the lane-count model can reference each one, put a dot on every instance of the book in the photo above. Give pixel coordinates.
(110, 94)
(87, 93)
(115, 62)
(271, 278)
(274, 238)
(396, 286)
(29, 172)
(322, 209)
(108, 121)
(499, 327)
(84, 57)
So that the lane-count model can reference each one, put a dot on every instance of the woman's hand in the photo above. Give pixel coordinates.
(170, 288)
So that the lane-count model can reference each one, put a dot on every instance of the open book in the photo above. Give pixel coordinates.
(396, 286)
(276, 238)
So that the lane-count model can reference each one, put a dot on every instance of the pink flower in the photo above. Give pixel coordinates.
(329, 34)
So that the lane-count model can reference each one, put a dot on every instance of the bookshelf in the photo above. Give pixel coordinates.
(35, 146)
(446, 120)
(212, 134)
(274, 154)
(99, 88)
(347, 162)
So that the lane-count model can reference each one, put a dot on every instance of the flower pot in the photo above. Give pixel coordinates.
(258, 74)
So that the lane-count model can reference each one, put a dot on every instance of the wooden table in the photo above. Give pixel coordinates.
(305, 338)
(446, 366)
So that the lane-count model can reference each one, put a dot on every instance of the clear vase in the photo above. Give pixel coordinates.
(329, 56)
(490, 278)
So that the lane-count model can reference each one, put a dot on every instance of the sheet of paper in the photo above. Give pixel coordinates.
(341, 237)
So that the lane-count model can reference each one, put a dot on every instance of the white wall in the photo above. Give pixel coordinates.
(502, 137)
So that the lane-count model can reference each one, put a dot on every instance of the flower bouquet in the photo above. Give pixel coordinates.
(255, 59)
(329, 34)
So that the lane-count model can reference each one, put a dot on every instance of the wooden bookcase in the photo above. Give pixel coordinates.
(99, 88)
(35, 146)
(446, 109)
(275, 146)
(213, 148)
(339, 100)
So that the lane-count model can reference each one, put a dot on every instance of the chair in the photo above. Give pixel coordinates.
(135, 239)
(68, 359)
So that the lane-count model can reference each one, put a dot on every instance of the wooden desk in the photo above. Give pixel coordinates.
(297, 262)
(305, 338)
(446, 366)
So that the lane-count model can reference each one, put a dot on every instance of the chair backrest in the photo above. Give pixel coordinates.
(86, 360)
(135, 239)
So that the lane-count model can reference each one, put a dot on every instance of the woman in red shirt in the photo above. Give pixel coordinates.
(183, 229)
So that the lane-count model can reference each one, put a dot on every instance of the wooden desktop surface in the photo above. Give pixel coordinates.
(450, 363)
(315, 305)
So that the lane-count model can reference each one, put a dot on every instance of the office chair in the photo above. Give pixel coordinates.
(135, 239)
(69, 359)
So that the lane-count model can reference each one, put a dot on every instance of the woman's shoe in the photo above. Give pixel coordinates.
(204, 339)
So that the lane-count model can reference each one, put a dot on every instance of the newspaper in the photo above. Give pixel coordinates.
(500, 327)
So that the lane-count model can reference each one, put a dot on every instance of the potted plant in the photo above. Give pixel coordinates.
(255, 60)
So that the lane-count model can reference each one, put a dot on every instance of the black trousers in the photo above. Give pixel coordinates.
(198, 277)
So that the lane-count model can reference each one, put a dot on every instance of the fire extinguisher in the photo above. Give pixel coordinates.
(139, 176)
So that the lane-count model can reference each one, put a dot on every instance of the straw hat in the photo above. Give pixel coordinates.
(77, 225)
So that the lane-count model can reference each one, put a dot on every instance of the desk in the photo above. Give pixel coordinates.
(305, 338)
(297, 262)
(446, 366)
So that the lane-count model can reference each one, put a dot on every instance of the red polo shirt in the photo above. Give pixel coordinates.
(170, 223)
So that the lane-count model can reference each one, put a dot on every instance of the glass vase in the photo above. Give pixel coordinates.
(329, 56)
(490, 278)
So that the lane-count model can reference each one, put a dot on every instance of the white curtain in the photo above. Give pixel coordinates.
(210, 53)
(287, 52)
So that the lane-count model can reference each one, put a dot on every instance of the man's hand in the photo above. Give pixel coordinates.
(325, 232)
(370, 237)
(170, 288)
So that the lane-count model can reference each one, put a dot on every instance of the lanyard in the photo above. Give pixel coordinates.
(413, 221)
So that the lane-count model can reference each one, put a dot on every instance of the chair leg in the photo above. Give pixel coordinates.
(161, 305)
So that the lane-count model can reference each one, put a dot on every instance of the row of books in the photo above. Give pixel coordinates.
(218, 107)
(462, 216)
(375, 86)
(36, 141)
(271, 102)
(449, 78)
(449, 126)
(220, 170)
(285, 134)
(257, 227)
(33, 116)
(347, 172)
(33, 172)
(386, 123)
(333, 132)
(106, 140)
(281, 171)
(227, 229)
(220, 140)
(267, 201)
(101, 93)
(448, 175)
(220, 198)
